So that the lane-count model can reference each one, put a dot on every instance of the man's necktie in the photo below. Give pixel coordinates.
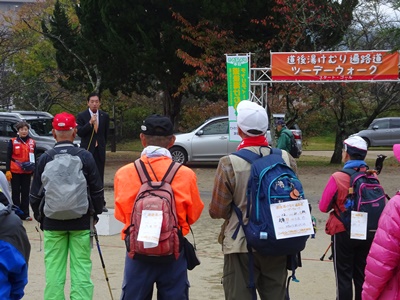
(96, 125)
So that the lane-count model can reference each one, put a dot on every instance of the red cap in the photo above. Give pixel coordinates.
(64, 121)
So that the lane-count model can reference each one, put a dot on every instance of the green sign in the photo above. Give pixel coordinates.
(237, 67)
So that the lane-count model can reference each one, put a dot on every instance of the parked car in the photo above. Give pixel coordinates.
(210, 141)
(382, 132)
(41, 122)
(38, 131)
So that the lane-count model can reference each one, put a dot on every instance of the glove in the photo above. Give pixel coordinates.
(8, 175)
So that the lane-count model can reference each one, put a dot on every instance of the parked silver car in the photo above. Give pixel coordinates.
(382, 132)
(210, 141)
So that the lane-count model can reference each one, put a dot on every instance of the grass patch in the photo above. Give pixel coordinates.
(320, 143)
(134, 145)
(327, 143)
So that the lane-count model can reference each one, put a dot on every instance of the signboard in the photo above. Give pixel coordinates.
(335, 66)
(237, 67)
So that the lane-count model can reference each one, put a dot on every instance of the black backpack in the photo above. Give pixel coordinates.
(294, 149)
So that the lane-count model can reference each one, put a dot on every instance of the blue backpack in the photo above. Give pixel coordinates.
(271, 181)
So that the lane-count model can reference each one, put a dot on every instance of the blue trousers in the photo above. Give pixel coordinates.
(171, 280)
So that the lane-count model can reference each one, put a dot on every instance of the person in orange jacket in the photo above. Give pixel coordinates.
(139, 275)
(20, 166)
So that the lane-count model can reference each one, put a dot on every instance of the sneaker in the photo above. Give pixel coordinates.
(28, 218)
(105, 209)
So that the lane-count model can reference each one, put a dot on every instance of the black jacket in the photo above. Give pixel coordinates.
(95, 185)
(85, 131)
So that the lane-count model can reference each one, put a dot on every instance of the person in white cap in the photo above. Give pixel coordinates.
(230, 189)
(382, 273)
(349, 254)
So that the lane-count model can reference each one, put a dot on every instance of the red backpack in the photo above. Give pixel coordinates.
(157, 196)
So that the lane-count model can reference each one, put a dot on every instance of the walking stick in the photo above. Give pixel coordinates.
(326, 251)
(102, 261)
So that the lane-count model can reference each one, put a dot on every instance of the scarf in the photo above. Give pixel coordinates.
(251, 141)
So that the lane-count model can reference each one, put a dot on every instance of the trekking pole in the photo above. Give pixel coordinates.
(40, 239)
(102, 261)
(326, 251)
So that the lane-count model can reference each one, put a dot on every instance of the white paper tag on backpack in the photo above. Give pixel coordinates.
(358, 226)
(291, 219)
(150, 228)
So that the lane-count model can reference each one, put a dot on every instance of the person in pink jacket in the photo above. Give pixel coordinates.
(382, 273)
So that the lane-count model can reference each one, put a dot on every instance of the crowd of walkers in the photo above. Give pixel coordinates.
(157, 253)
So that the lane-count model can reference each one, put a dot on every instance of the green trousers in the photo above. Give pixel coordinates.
(269, 276)
(57, 245)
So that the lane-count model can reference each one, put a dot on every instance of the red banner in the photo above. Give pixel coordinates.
(335, 66)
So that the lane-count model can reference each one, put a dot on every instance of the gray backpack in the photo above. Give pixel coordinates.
(65, 186)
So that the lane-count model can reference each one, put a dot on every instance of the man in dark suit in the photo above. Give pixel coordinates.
(93, 125)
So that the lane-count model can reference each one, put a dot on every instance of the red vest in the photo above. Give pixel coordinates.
(20, 153)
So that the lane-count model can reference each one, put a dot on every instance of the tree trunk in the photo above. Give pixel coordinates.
(340, 136)
(172, 107)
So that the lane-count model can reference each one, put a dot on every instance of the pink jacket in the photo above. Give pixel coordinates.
(382, 273)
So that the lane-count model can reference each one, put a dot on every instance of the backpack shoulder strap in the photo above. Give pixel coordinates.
(73, 151)
(349, 172)
(276, 151)
(145, 177)
(247, 155)
(51, 152)
(170, 174)
(142, 172)
(251, 156)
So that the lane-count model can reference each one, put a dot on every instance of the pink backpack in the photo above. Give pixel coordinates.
(157, 196)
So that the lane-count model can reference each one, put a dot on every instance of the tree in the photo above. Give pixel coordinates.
(135, 45)
(264, 26)
(78, 65)
(31, 71)
(370, 30)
